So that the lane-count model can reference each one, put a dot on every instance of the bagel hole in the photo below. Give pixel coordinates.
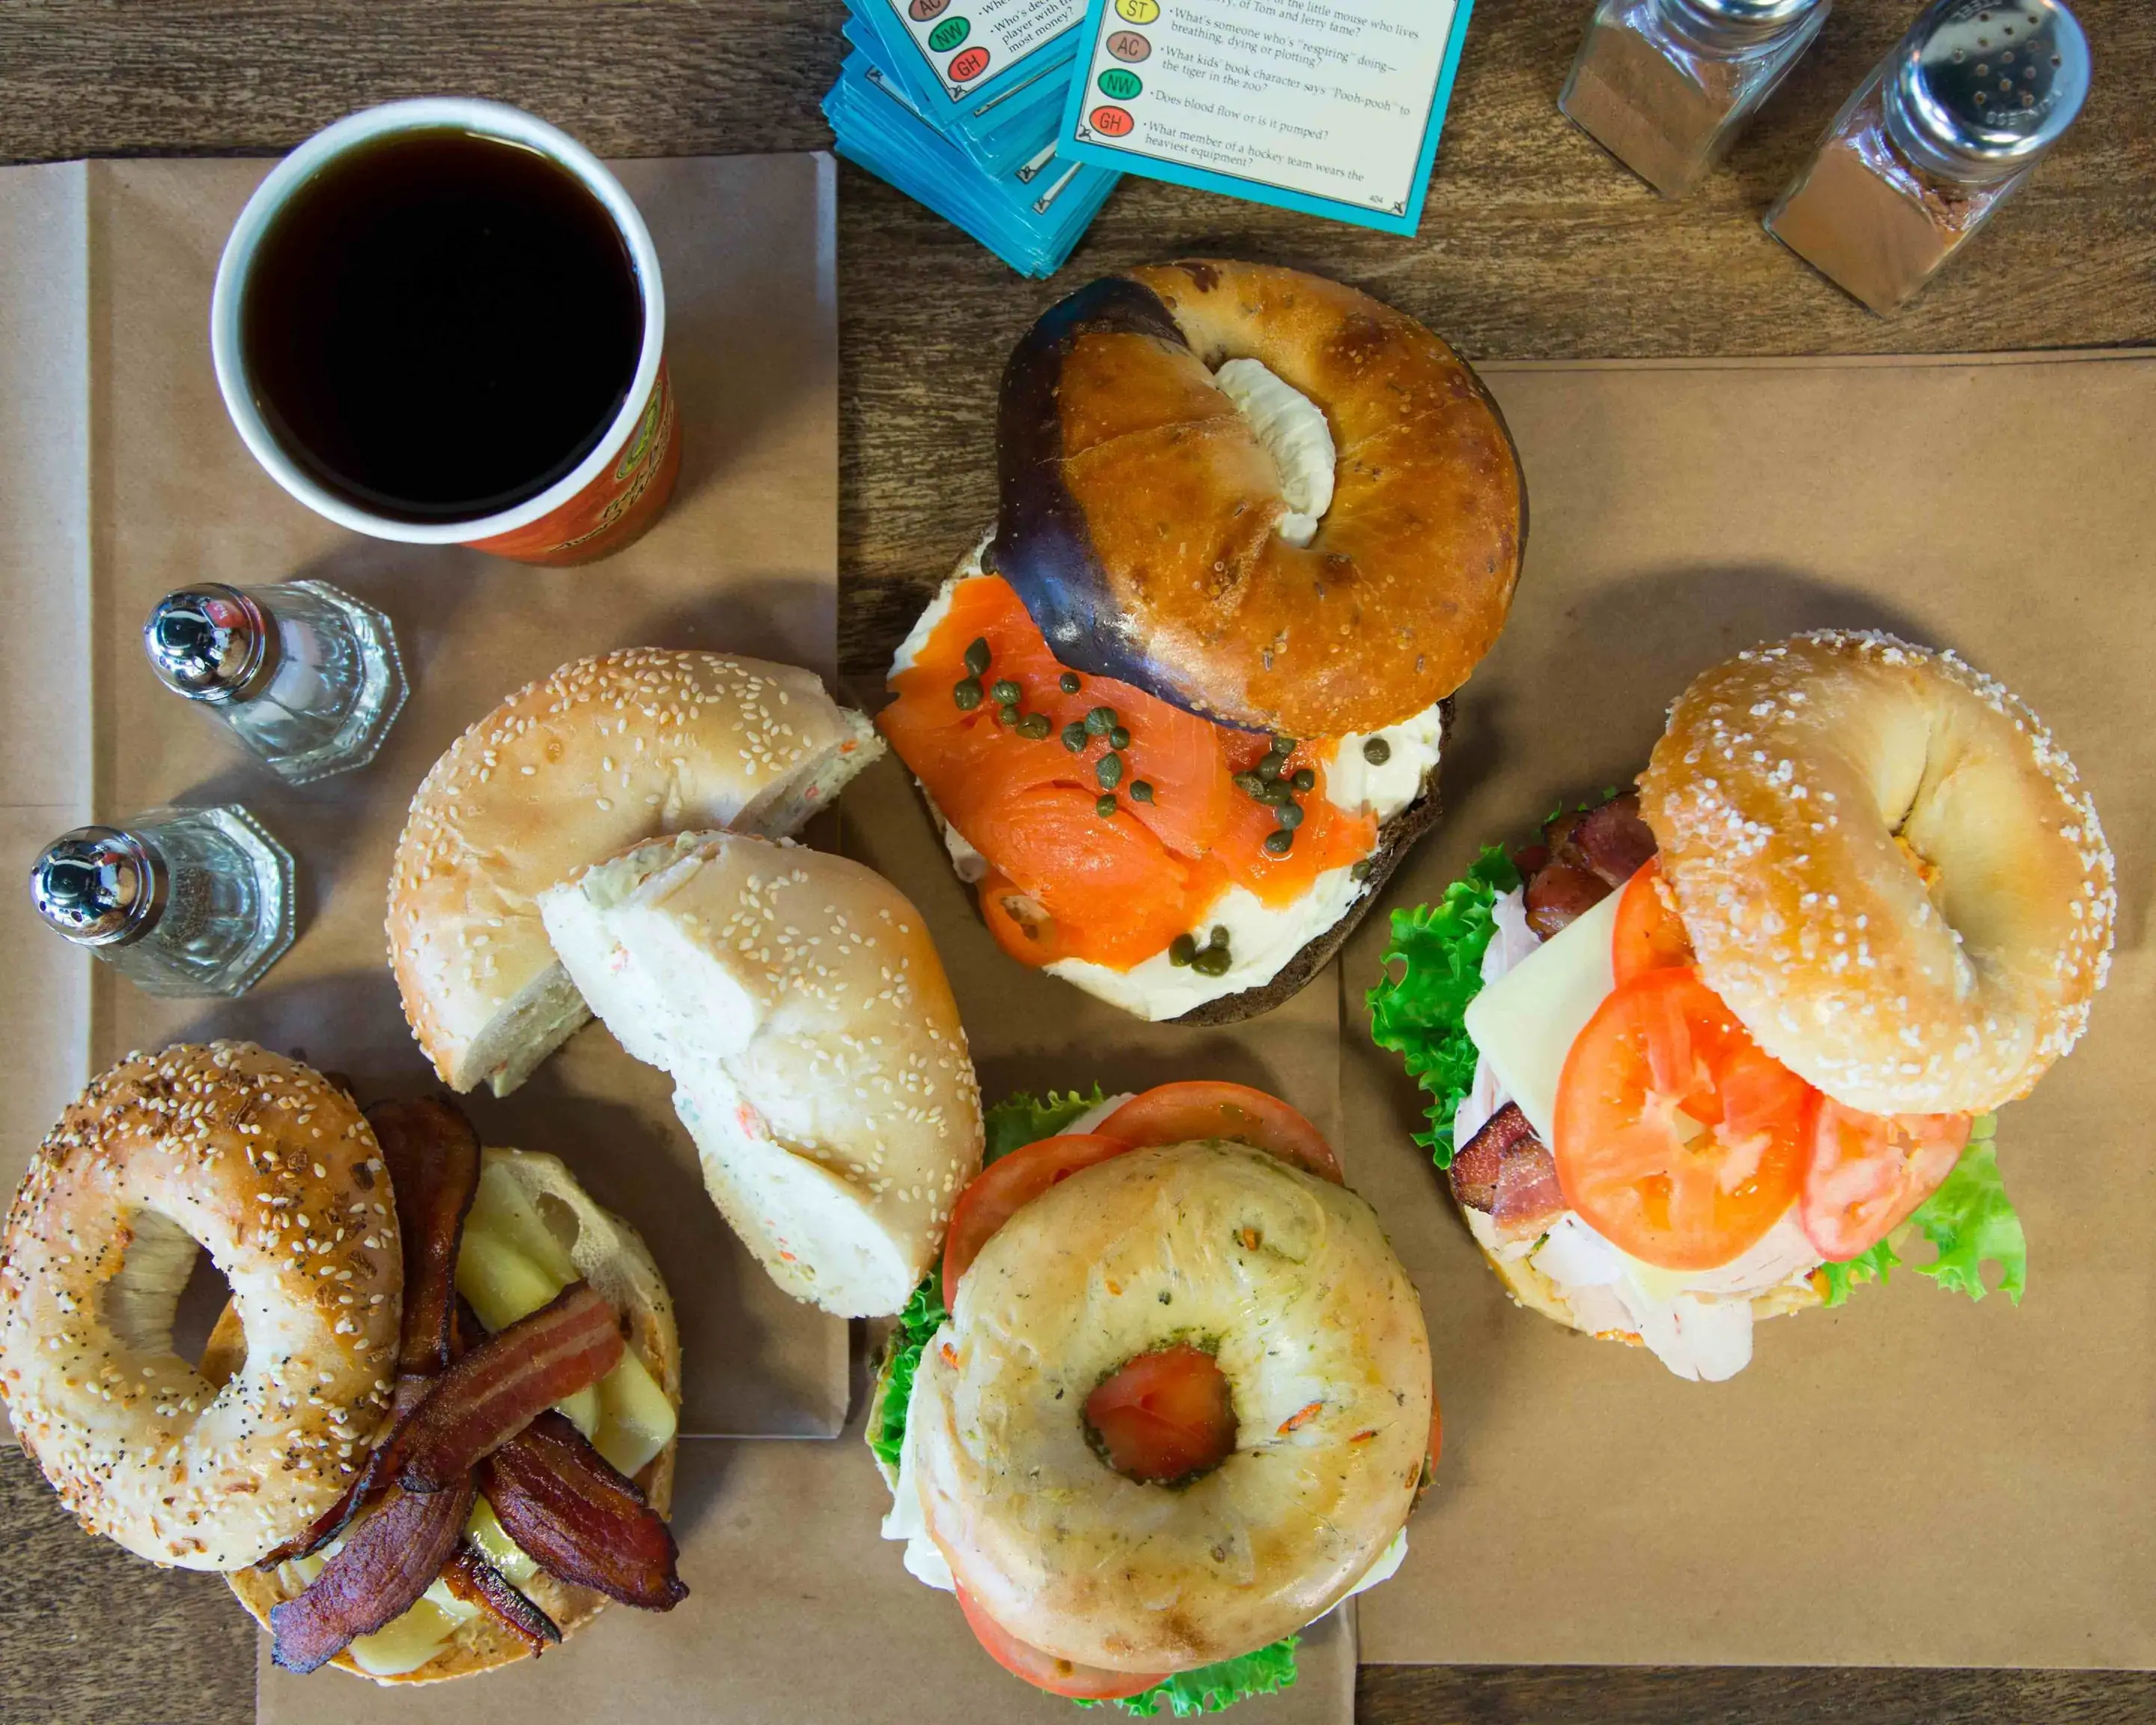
(167, 1293)
(1165, 1417)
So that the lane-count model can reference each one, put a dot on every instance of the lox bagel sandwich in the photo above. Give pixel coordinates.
(1166, 1401)
(432, 1434)
(1719, 1050)
(1182, 713)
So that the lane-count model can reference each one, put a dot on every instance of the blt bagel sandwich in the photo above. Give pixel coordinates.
(1182, 713)
(1167, 1401)
(434, 1431)
(1718, 1051)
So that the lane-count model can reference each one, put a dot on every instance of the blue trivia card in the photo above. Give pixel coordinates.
(966, 62)
(1328, 107)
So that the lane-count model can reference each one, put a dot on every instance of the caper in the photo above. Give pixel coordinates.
(1034, 726)
(1361, 871)
(1101, 721)
(1283, 746)
(1006, 691)
(1213, 960)
(967, 695)
(1279, 843)
(977, 655)
(1074, 737)
(1289, 815)
(1140, 790)
(1304, 779)
(1109, 770)
(1068, 682)
(1277, 794)
(1105, 807)
(1269, 769)
(1181, 951)
(1009, 713)
(1248, 783)
(1220, 934)
(1119, 738)
(1376, 751)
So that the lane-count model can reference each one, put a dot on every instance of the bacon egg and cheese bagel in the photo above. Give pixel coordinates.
(273, 1169)
(565, 772)
(1310, 1319)
(1181, 715)
(1167, 1402)
(1731, 1039)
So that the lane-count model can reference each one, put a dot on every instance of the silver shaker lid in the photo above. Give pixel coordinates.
(98, 885)
(1979, 88)
(1744, 18)
(210, 642)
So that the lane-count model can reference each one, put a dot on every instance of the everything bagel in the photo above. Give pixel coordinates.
(1921, 911)
(1141, 511)
(272, 1168)
(1287, 1278)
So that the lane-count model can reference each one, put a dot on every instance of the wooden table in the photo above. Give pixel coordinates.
(1533, 245)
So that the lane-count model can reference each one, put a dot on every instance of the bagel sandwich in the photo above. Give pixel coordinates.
(1723, 1047)
(1166, 1401)
(1181, 713)
(519, 1286)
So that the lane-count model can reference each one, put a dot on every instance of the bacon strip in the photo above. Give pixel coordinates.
(1614, 841)
(580, 1518)
(477, 1581)
(391, 1560)
(1508, 1173)
(433, 1156)
(504, 1384)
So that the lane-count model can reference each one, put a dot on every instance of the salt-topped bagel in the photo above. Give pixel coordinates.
(569, 769)
(1320, 1336)
(272, 1168)
(1887, 869)
(1144, 521)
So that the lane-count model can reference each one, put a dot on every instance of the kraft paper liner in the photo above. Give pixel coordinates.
(146, 485)
(1910, 1478)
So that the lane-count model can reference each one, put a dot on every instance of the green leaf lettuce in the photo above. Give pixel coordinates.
(1212, 1688)
(1969, 1219)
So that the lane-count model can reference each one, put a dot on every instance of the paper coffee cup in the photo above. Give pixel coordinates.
(618, 489)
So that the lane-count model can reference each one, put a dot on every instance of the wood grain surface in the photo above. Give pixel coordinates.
(1533, 245)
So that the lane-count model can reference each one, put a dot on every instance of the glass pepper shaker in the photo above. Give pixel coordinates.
(1667, 85)
(181, 902)
(305, 675)
(1944, 131)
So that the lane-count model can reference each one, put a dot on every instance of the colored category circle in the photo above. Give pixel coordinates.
(1119, 84)
(948, 34)
(1111, 122)
(1137, 11)
(920, 11)
(968, 65)
(1124, 44)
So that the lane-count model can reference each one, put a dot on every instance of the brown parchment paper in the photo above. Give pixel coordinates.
(1911, 1478)
(122, 255)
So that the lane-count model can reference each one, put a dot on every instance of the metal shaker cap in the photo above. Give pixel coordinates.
(98, 885)
(1744, 19)
(1978, 89)
(210, 642)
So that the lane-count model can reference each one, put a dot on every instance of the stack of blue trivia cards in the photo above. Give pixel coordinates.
(958, 103)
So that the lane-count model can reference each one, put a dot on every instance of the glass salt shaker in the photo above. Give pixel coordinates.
(1944, 131)
(181, 902)
(1667, 85)
(307, 677)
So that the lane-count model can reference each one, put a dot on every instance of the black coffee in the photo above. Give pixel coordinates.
(440, 326)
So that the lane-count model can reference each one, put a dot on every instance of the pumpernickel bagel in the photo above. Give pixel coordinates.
(1143, 501)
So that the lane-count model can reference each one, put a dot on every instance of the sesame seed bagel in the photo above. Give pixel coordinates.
(569, 769)
(1887, 868)
(271, 1168)
(1312, 1320)
(799, 1004)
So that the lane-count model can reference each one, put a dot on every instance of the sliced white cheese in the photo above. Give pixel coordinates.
(1523, 1023)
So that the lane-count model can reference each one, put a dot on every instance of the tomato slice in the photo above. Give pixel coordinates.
(1177, 1113)
(1044, 1671)
(1866, 1172)
(1678, 1138)
(1164, 1415)
(1648, 935)
(1006, 1186)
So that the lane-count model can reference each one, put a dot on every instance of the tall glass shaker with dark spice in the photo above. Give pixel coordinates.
(181, 901)
(1667, 85)
(1944, 131)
